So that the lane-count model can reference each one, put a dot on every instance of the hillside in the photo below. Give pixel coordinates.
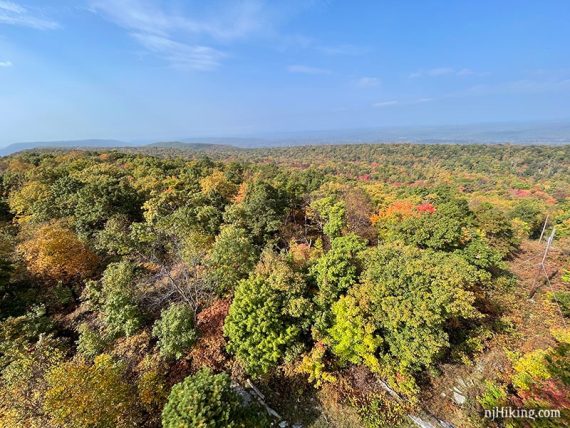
(318, 286)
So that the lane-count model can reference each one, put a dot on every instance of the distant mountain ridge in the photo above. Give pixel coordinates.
(220, 145)
(71, 144)
(491, 133)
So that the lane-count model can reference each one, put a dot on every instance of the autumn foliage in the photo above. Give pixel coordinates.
(181, 288)
(55, 252)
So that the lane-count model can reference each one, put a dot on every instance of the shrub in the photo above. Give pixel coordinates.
(84, 395)
(378, 410)
(91, 342)
(175, 331)
(493, 396)
(337, 270)
(209, 350)
(562, 298)
(120, 309)
(267, 315)
(232, 258)
(314, 365)
(207, 400)
(531, 368)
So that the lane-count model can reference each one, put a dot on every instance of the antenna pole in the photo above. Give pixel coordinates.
(541, 266)
(548, 244)
(543, 228)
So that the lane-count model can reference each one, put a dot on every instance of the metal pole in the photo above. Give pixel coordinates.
(541, 267)
(543, 228)
(548, 244)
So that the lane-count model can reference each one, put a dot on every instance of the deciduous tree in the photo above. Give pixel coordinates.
(55, 253)
(83, 395)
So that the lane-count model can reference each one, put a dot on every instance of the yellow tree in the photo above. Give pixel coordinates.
(218, 183)
(31, 202)
(84, 395)
(55, 252)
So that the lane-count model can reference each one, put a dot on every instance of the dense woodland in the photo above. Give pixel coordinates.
(348, 285)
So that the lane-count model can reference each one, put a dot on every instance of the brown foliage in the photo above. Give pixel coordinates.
(132, 349)
(358, 210)
(209, 350)
(358, 397)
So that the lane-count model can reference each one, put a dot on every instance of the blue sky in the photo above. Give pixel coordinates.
(152, 69)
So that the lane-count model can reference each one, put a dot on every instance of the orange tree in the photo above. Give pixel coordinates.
(56, 253)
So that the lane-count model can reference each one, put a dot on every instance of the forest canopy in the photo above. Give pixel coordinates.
(151, 287)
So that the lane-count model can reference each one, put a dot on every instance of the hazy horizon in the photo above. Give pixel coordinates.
(554, 131)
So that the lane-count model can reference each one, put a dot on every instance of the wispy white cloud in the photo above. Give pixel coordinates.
(300, 41)
(234, 20)
(404, 102)
(468, 72)
(433, 72)
(10, 6)
(305, 69)
(343, 49)
(465, 72)
(12, 13)
(199, 35)
(182, 40)
(6, 64)
(383, 104)
(367, 82)
(522, 86)
(446, 71)
(441, 71)
(179, 54)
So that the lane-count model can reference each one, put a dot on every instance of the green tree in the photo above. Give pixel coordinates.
(260, 212)
(479, 253)
(20, 331)
(33, 202)
(414, 295)
(102, 197)
(497, 229)
(531, 212)
(118, 299)
(331, 214)
(354, 336)
(265, 318)
(91, 342)
(336, 272)
(410, 296)
(232, 258)
(175, 330)
(440, 229)
(206, 400)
